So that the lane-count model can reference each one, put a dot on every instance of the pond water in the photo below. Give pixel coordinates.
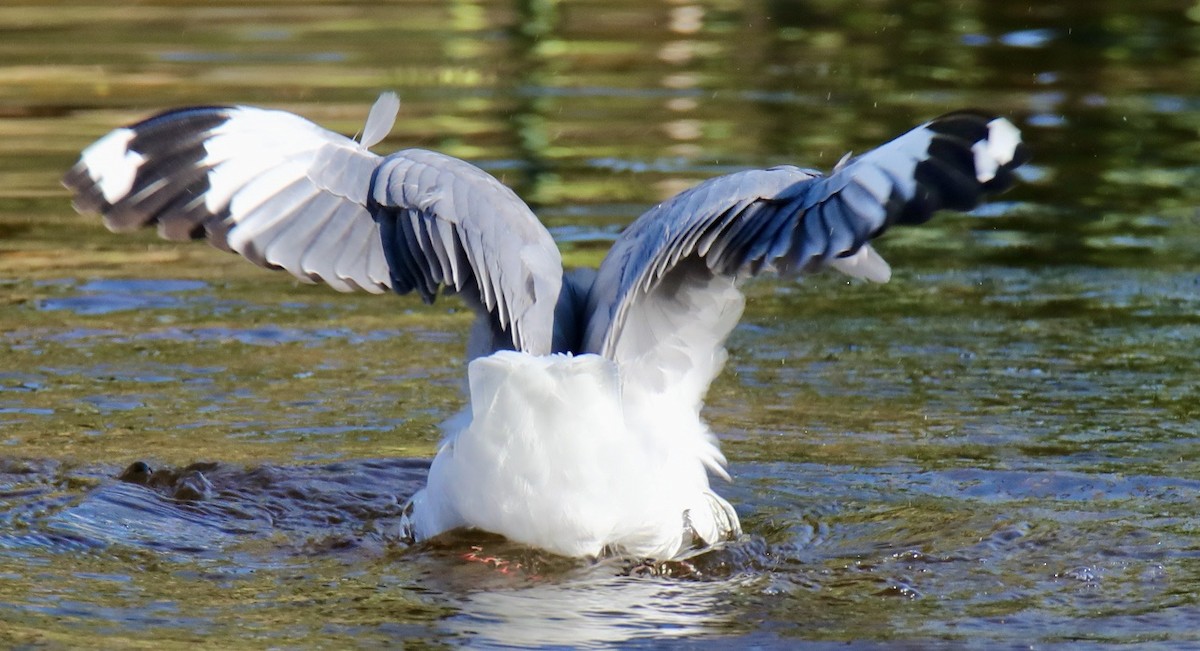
(999, 448)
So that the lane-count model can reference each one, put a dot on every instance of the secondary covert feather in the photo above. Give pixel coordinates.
(583, 435)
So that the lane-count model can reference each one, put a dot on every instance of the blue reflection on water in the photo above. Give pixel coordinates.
(118, 295)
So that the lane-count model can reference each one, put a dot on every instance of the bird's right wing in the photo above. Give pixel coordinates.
(269, 185)
(789, 219)
(666, 296)
(285, 193)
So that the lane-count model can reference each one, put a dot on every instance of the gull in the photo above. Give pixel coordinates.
(583, 434)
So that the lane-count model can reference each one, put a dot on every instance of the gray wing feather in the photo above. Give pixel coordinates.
(792, 220)
(710, 221)
(269, 185)
(285, 193)
(320, 257)
(297, 230)
(446, 223)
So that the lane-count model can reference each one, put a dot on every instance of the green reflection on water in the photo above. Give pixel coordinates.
(941, 458)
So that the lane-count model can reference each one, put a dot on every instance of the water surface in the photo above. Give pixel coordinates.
(997, 449)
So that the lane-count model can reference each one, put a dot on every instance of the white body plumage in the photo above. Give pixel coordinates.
(555, 460)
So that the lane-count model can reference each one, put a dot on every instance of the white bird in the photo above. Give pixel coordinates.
(583, 435)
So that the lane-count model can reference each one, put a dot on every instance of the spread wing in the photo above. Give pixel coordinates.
(447, 223)
(666, 296)
(287, 194)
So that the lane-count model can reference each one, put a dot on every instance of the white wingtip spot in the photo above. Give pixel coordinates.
(112, 165)
(380, 119)
(866, 263)
(997, 149)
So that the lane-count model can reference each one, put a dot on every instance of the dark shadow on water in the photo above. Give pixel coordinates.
(325, 507)
(206, 508)
(223, 521)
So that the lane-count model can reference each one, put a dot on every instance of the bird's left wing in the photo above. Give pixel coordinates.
(666, 295)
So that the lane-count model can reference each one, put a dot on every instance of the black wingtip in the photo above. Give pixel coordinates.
(972, 154)
(142, 174)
